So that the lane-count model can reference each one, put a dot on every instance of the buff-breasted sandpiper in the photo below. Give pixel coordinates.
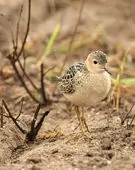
(86, 83)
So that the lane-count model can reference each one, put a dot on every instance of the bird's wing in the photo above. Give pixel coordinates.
(67, 82)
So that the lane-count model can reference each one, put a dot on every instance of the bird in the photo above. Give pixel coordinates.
(86, 83)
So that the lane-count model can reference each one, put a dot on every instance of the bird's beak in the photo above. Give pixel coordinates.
(107, 71)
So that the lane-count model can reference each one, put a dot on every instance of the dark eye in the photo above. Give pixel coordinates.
(95, 62)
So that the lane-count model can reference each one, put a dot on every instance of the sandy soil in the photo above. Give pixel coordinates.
(58, 145)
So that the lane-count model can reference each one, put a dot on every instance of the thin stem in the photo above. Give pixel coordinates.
(27, 29)
(73, 35)
(127, 114)
(35, 117)
(18, 25)
(22, 80)
(13, 119)
(43, 93)
(26, 75)
(20, 109)
(1, 110)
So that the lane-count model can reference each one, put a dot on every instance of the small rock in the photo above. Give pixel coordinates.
(34, 160)
(89, 154)
(133, 144)
(106, 144)
(54, 151)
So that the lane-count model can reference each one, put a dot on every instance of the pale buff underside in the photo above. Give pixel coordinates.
(94, 89)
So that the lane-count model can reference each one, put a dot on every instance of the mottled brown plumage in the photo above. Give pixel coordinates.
(85, 84)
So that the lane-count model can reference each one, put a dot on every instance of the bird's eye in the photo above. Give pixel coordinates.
(95, 62)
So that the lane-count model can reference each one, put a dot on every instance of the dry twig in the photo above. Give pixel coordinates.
(14, 59)
(20, 109)
(27, 29)
(32, 133)
(73, 35)
(13, 119)
(26, 75)
(127, 117)
(43, 92)
(1, 118)
(18, 26)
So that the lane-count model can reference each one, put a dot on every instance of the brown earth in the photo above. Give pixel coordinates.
(58, 145)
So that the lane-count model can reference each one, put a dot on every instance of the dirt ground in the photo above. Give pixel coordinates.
(59, 145)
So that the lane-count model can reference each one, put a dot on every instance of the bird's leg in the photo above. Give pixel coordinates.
(80, 119)
(84, 121)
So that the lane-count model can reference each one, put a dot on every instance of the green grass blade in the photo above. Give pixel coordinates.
(128, 81)
(123, 63)
(50, 43)
(125, 81)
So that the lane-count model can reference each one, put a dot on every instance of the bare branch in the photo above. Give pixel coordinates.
(27, 29)
(26, 75)
(130, 124)
(35, 117)
(123, 121)
(1, 110)
(39, 124)
(43, 93)
(133, 117)
(73, 35)
(18, 25)
(22, 80)
(14, 58)
(20, 109)
(31, 135)
(13, 119)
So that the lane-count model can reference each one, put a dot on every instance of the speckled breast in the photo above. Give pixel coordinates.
(91, 89)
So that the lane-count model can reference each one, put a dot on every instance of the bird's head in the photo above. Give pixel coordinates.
(96, 62)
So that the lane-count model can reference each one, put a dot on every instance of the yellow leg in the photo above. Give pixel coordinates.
(82, 124)
(84, 121)
(79, 118)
